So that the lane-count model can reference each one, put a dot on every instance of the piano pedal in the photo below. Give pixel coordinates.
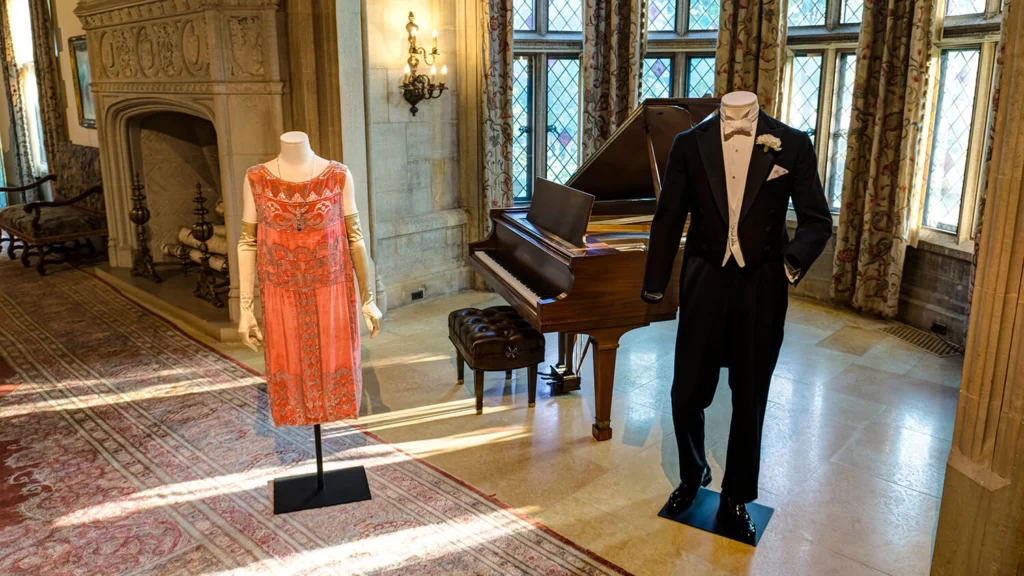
(562, 381)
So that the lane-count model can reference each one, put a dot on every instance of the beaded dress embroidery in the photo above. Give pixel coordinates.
(308, 292)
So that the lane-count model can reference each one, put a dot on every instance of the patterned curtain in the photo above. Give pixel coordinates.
(881, 155)
(752, 50)
(51, 89)
(613, 49)
(986, 162)
(497, 103)
(19, 137)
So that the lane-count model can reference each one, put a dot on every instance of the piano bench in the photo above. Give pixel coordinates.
(495, 339)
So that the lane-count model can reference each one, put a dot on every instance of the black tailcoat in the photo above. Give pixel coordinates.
(731, 316)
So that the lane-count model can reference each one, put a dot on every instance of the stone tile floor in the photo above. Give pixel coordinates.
(855, 442)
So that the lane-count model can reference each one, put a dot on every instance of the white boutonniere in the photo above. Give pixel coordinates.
(769, 141)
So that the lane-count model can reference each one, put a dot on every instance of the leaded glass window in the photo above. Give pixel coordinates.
(565, 15)
(845, 70)
(700, 76)
(805, 88)
(661, 15)
(522, 15)
(806, 13)
(961, 7)
(704, 14)
(563, 118)
(853, 11)
(958, 77)
(522, 150)
(657, 78)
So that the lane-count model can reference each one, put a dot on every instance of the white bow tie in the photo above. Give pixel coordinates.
(737, 126)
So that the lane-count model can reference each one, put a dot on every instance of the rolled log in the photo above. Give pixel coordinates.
(218, 244)
(217, 262)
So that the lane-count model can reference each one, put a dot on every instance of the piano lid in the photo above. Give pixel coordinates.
(621, 169)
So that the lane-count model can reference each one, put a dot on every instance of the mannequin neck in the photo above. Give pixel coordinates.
(736, 105)
(295, 150)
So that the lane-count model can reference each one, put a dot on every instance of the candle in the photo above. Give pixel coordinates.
(435, 38)
(433, 73)
(408, 71)
(444, 73)
(414, 32)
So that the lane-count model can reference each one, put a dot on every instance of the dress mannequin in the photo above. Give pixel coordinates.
(297, 162)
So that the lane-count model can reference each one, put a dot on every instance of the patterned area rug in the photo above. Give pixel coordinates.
(127, 447)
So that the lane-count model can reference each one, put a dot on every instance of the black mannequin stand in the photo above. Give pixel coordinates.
(703, 514)
(321, 489)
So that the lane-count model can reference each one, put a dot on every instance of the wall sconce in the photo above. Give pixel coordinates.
(419, 87)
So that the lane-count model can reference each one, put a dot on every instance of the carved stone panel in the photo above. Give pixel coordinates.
(246, 34)
(175, 49)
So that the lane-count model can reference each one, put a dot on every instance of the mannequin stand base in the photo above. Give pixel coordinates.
(703, 515)
(343, 486)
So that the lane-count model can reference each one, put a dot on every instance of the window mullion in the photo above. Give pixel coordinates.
(541, 11)
(683, 17)
(976, 148)
(540, 157)
(825, 116)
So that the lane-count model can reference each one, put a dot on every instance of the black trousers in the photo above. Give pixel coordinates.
(728, 317)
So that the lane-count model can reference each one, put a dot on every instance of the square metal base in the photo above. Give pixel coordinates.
(342, 486)
(703, 514)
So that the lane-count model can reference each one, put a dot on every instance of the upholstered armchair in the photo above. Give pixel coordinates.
(66, 224)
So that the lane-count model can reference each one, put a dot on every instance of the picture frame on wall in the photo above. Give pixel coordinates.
(83, 76)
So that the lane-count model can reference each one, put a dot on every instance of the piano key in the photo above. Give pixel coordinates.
(509, 278)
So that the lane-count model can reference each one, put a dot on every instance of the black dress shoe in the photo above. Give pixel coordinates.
(682, 497)
(735, 522)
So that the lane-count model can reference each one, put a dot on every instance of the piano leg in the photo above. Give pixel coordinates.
(606, 344)
(563, 380)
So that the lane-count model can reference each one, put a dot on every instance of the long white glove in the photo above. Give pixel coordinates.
(248, 328)
(361, 263)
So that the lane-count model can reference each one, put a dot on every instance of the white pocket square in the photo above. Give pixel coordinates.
(777, 171)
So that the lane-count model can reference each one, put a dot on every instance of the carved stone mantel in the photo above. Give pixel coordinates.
(215, 59)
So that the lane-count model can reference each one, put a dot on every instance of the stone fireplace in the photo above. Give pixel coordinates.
(186, 91)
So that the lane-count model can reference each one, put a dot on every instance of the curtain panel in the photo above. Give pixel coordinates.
(497, 103)
(19, 137)
(614, 32)
(51, 90)
(751, 50)
(987, 160)
(889, 100)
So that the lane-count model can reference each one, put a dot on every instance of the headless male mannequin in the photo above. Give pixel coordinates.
(298, 163)
(733, 175)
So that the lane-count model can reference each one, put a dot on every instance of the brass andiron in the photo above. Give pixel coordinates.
(206, 286)
(142, 262)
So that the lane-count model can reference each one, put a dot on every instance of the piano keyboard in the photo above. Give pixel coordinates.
(509, 279)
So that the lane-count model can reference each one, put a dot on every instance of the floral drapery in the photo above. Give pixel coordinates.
(613, 49)
(751, 50)
(497, 103)
(19, 136)
(986, 161)
(890, 91)
(51, 90)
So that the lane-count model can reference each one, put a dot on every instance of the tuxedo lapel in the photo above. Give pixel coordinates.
(709, 142)
(761, 163)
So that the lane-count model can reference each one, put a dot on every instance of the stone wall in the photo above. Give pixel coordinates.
(420, 229)
(934, 288)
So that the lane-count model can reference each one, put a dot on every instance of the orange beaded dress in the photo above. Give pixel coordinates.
(308, 290)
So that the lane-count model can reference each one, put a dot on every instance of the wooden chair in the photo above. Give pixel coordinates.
(68, 222)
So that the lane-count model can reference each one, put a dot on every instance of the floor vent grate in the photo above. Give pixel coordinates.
(921, 339)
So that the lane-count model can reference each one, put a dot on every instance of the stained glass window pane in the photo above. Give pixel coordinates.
(846, 69)
(657, 78)
(563, 118)
(804, 91)
(565, 15)
(704, 14)
(700, 77)
(960, 7)
(958, 75)
(853, 11)
(661, 16)
(522, 15)
(522, 151)
(807, 13)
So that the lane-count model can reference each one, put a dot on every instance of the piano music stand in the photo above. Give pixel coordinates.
(321, 489)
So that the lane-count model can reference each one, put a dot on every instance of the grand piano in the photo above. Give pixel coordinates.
(573, 262)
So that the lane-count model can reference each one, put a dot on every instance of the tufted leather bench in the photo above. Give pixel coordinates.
(495, 338)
